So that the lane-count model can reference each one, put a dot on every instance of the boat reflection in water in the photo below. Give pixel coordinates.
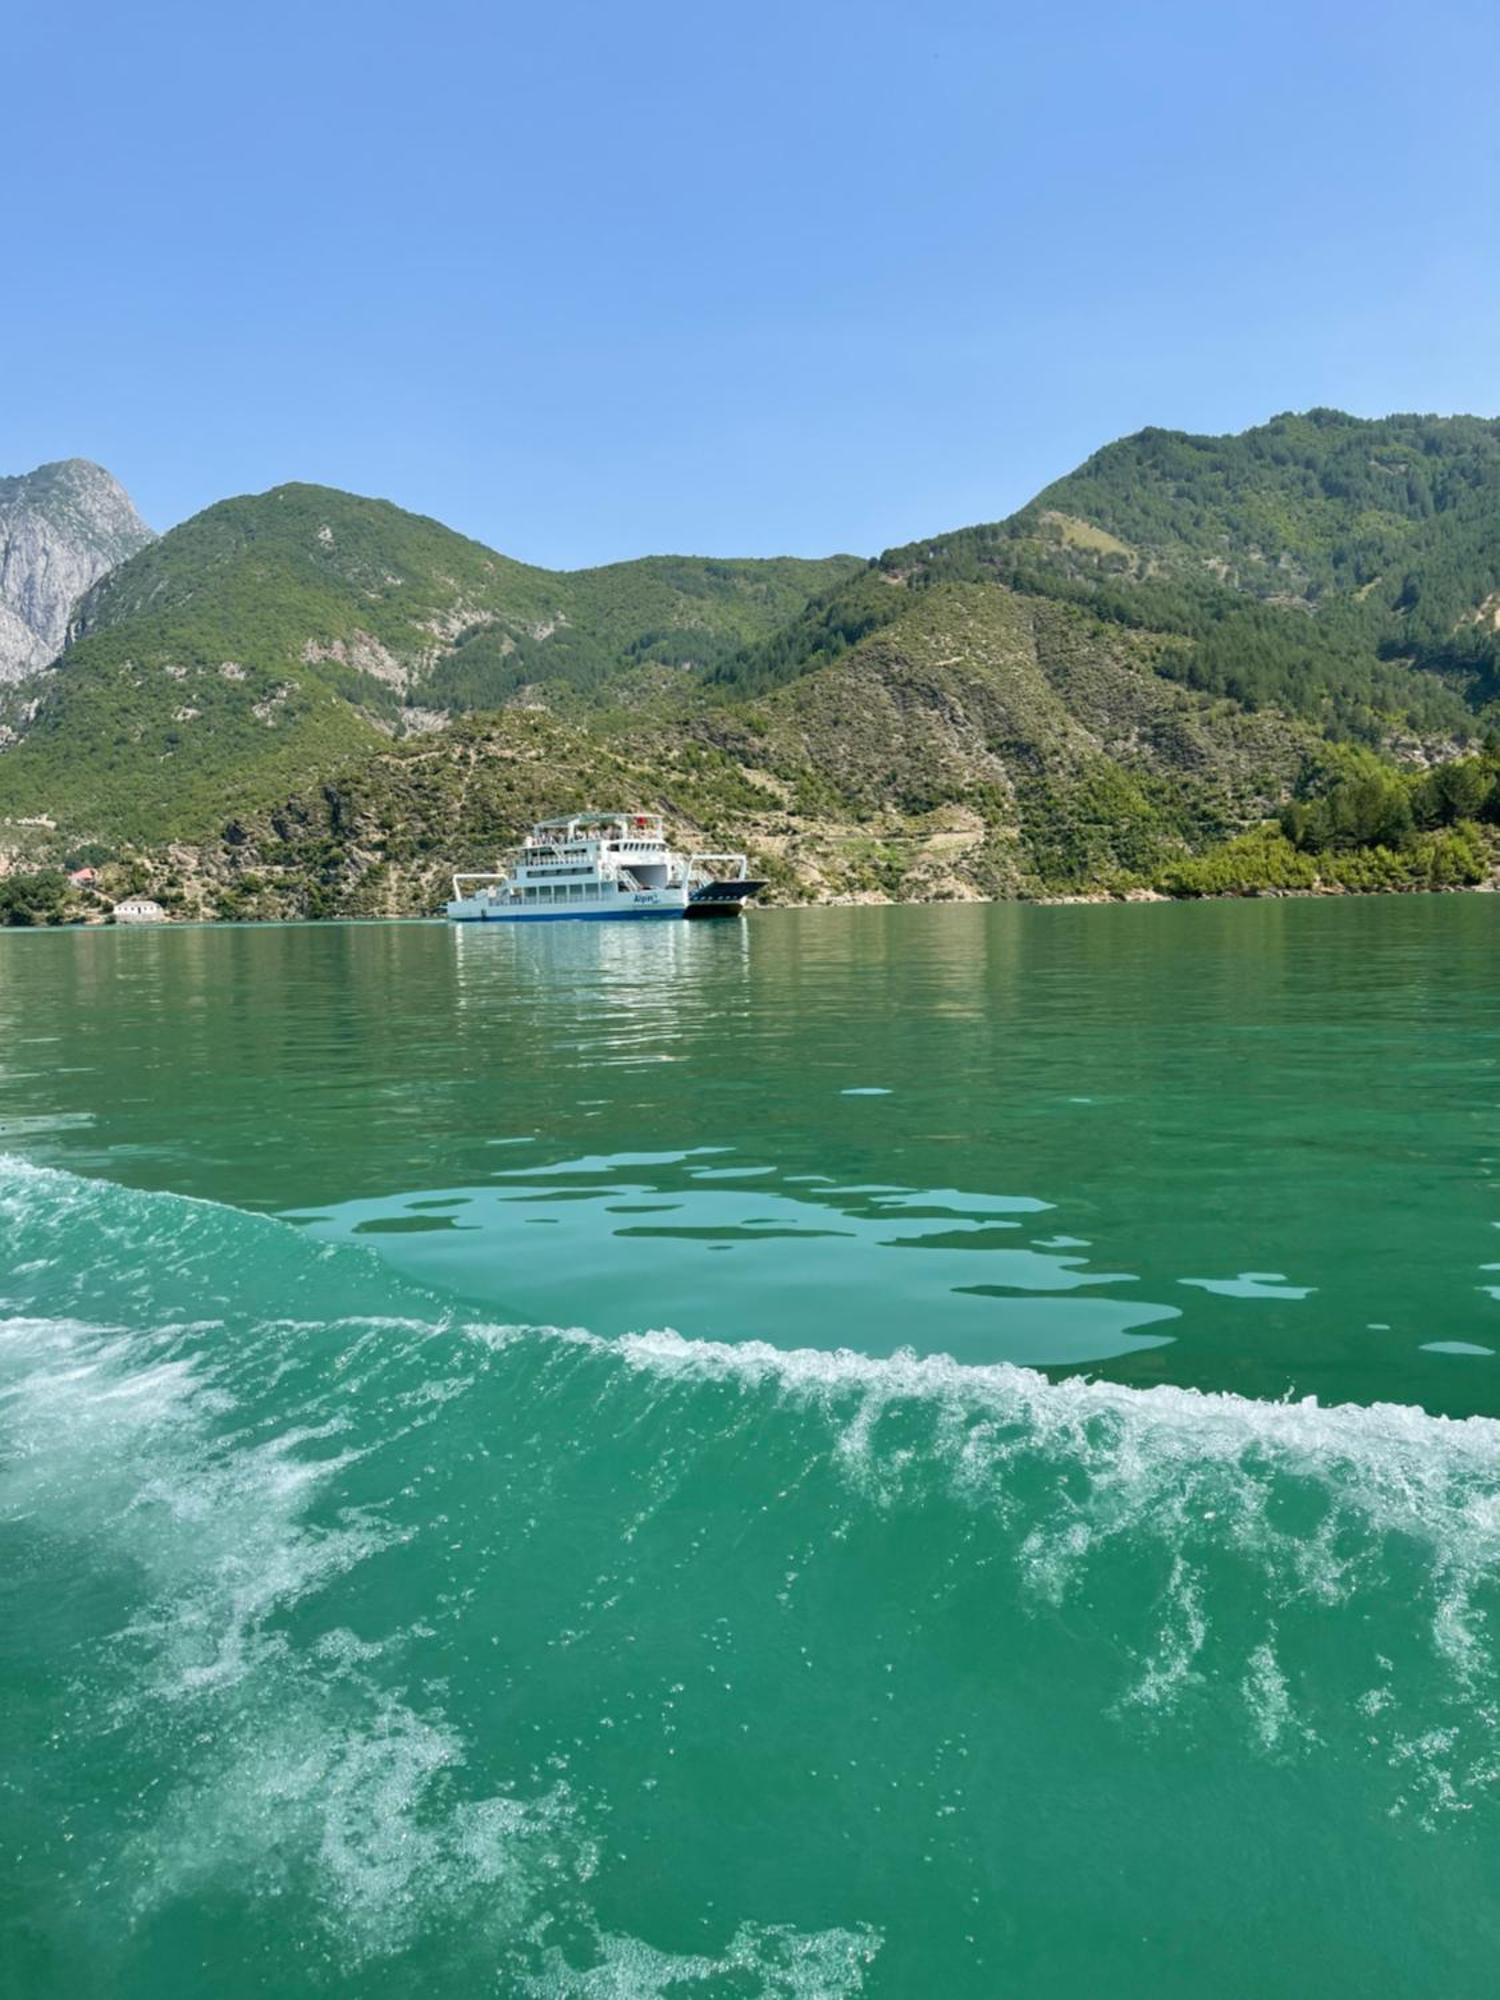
(614, 993)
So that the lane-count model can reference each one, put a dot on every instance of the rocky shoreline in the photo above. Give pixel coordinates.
(98, 914)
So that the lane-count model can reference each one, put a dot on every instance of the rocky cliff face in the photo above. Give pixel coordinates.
(61, 528)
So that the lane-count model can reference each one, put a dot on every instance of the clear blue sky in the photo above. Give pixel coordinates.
(589, 281)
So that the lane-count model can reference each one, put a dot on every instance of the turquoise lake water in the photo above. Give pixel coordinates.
(862, 1452)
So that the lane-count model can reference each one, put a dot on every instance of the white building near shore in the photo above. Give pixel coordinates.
(139, 910)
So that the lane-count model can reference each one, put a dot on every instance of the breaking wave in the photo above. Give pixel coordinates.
(430, 1635)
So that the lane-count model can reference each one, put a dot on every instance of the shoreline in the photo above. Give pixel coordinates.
(1323, 892)
(1083, 899)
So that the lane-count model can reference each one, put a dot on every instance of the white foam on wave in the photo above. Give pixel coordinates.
(20, 1177)
(1299, 1508)
(347, 1791)
(1267, 1695)
(128, 1439)
(1434, 1479)
(295, 1766)
(187, 1460)
(303, 1772)
(1413, 1454)
(785, 1964)
(75, 1401)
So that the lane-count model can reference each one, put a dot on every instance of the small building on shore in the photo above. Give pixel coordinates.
(138, 910)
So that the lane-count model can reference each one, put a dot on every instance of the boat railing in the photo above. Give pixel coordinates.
(487, 875)
(698, 865)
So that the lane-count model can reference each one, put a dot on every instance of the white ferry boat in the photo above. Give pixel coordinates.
(597, 865)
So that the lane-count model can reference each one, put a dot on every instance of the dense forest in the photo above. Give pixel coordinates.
(1343, 570)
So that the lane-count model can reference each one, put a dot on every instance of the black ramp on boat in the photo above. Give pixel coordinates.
(721, 899)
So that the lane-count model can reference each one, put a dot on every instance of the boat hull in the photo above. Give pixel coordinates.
(465, 916)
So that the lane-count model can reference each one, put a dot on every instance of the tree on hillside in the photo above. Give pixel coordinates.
(27, 900)
(1371, 810)
(1460, 790)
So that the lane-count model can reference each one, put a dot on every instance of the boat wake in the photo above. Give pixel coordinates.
(429, 1634)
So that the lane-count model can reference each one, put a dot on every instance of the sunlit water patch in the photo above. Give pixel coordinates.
(807, 1261)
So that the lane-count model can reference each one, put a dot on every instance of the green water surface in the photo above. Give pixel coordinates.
(670, 1459)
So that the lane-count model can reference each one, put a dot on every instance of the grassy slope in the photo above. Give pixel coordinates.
(677, 611)
(271, 638)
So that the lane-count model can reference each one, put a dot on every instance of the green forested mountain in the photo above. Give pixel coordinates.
(271, 638)
(1194, 663)
(1344, 570)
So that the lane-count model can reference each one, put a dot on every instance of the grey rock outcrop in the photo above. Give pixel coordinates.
(61, 528)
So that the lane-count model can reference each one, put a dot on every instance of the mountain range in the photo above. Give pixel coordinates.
(307, 701)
